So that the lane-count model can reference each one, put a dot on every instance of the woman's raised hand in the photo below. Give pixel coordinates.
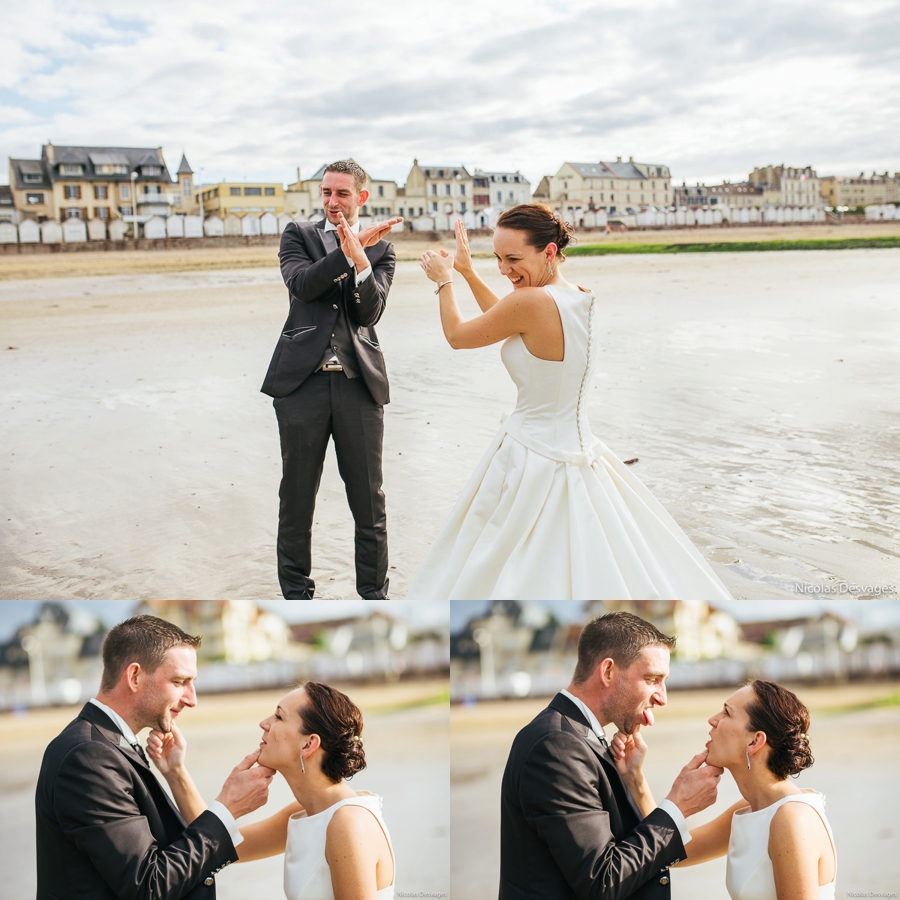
(462, 262)
(437, 266)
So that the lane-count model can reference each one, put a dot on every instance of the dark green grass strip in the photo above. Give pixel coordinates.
(738, 246)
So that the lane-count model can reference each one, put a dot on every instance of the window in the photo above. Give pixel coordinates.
(151, 170)
(109, 169)
(421, 211)
(237, 209)
(270, 192)
(124, 191)
(434, 190)
(380, 190)
(73, 192)
(447, 189)
(73, 213)
(235, 191)
(186, 187)
(101, 192)
(70, 169)
(32, 178)
(462, 190)
(101, 212)
(32, 199)
(434, 206)
(152, 190)
(270, 209)
(499, 196)
(252, 192)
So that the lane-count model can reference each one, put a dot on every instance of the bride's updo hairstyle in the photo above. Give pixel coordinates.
(338, 722)
(785, 721)
(540, 225)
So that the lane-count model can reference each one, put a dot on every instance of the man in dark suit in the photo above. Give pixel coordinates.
(106, 829)
(575, 822)
(328, 379)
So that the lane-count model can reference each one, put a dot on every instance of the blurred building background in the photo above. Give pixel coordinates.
(512, 649)
(50, 652)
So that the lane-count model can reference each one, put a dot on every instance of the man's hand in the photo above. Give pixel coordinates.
(628, 751)
(373, 233)
(351, 246)
(696, 786)
(247, 787)
(167, 750)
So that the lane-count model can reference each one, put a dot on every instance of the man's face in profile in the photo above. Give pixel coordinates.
(339, 195)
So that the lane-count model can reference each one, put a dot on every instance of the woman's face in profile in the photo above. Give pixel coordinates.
(730, 735)
(282, 733)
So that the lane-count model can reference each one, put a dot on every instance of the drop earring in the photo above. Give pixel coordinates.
(549, 268)
(748, 759)
(303, 768)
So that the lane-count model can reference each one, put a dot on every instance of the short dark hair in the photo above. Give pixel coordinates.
(540, 225)
(336, 719)
(784, 720)
(620, 636)
(141, 639)
(360, 178)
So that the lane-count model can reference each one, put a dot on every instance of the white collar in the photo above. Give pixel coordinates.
(122, 725)
(330, 226)
(593, 721)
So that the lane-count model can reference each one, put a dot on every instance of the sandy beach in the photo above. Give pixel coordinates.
(857, 751)
(406, 752)
(139, 459)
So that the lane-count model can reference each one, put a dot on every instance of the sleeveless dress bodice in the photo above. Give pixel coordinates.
(749, 873)
(307, 875)
(551, 513)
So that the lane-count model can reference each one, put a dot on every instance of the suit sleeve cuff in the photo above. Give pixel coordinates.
(220, 810)
(362, 276)
(678, 818)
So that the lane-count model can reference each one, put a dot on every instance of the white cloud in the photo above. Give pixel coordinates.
(709, 88)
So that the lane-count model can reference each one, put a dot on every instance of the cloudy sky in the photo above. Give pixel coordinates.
(711, 88)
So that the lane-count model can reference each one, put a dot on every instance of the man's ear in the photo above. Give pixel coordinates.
(606, 671)
(363, 196)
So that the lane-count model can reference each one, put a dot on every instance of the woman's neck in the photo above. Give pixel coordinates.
(760, 788)
(314, 792)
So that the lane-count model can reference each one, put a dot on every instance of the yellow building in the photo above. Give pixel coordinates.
(787, 186)
(610, 186)
(239, 198)
(437, 190)
(861, 191)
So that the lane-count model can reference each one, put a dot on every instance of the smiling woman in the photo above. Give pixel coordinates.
(550, 512)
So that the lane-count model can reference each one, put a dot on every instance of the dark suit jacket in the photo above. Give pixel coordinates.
(319, 282)
(569, 828)
(106, 829)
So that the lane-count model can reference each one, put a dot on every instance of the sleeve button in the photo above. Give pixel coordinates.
(208, 881)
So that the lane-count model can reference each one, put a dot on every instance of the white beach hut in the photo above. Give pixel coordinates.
(232, 225)
(250, 225)
(193, 226)
(175, 226)
(681, 216)
(670, 218)
(29, 232)
(283, 221)
(117, 229)
(689, 217)
(155, 228)
(423, 223)
(717, 217)
(96, 230)
(51, 232)
(74, 231)
(213, 226)
(9, 234)
(268, 224)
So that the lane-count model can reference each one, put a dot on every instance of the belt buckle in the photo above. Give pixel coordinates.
(332, 367)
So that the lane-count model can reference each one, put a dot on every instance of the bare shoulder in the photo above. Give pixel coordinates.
(529, 296)
(793, 821)
(352, 823)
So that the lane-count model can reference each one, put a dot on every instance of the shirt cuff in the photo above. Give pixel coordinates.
(362, 276)
(678, 817)
(219, 809)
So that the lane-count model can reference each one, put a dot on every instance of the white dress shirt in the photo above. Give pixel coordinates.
(360, 276)
(216, 808)
(665, 805)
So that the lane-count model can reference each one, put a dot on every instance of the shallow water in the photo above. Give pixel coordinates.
(759, 392)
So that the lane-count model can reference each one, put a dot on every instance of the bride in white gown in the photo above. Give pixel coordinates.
(778, 841)
(550, 512)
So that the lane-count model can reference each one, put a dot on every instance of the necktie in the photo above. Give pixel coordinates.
(140, 752)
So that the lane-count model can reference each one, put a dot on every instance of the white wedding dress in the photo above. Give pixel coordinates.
(307, 875)
(749, 874)
(550, 512)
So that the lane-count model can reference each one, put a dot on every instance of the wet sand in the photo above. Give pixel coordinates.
(406, 751)
(139, 459)
(856, 753)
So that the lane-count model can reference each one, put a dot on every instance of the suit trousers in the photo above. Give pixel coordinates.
(331, 405)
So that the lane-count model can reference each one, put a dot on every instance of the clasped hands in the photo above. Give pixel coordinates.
(353, 244)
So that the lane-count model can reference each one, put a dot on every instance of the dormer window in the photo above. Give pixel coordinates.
(151, 170)
(71, 169)
(33, 179)
(110, 169)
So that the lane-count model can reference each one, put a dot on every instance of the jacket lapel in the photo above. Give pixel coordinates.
(320, 232)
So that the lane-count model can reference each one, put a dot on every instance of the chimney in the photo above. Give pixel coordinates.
(631, 159)
(618, 159)
(49, 152)
(298, 176)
